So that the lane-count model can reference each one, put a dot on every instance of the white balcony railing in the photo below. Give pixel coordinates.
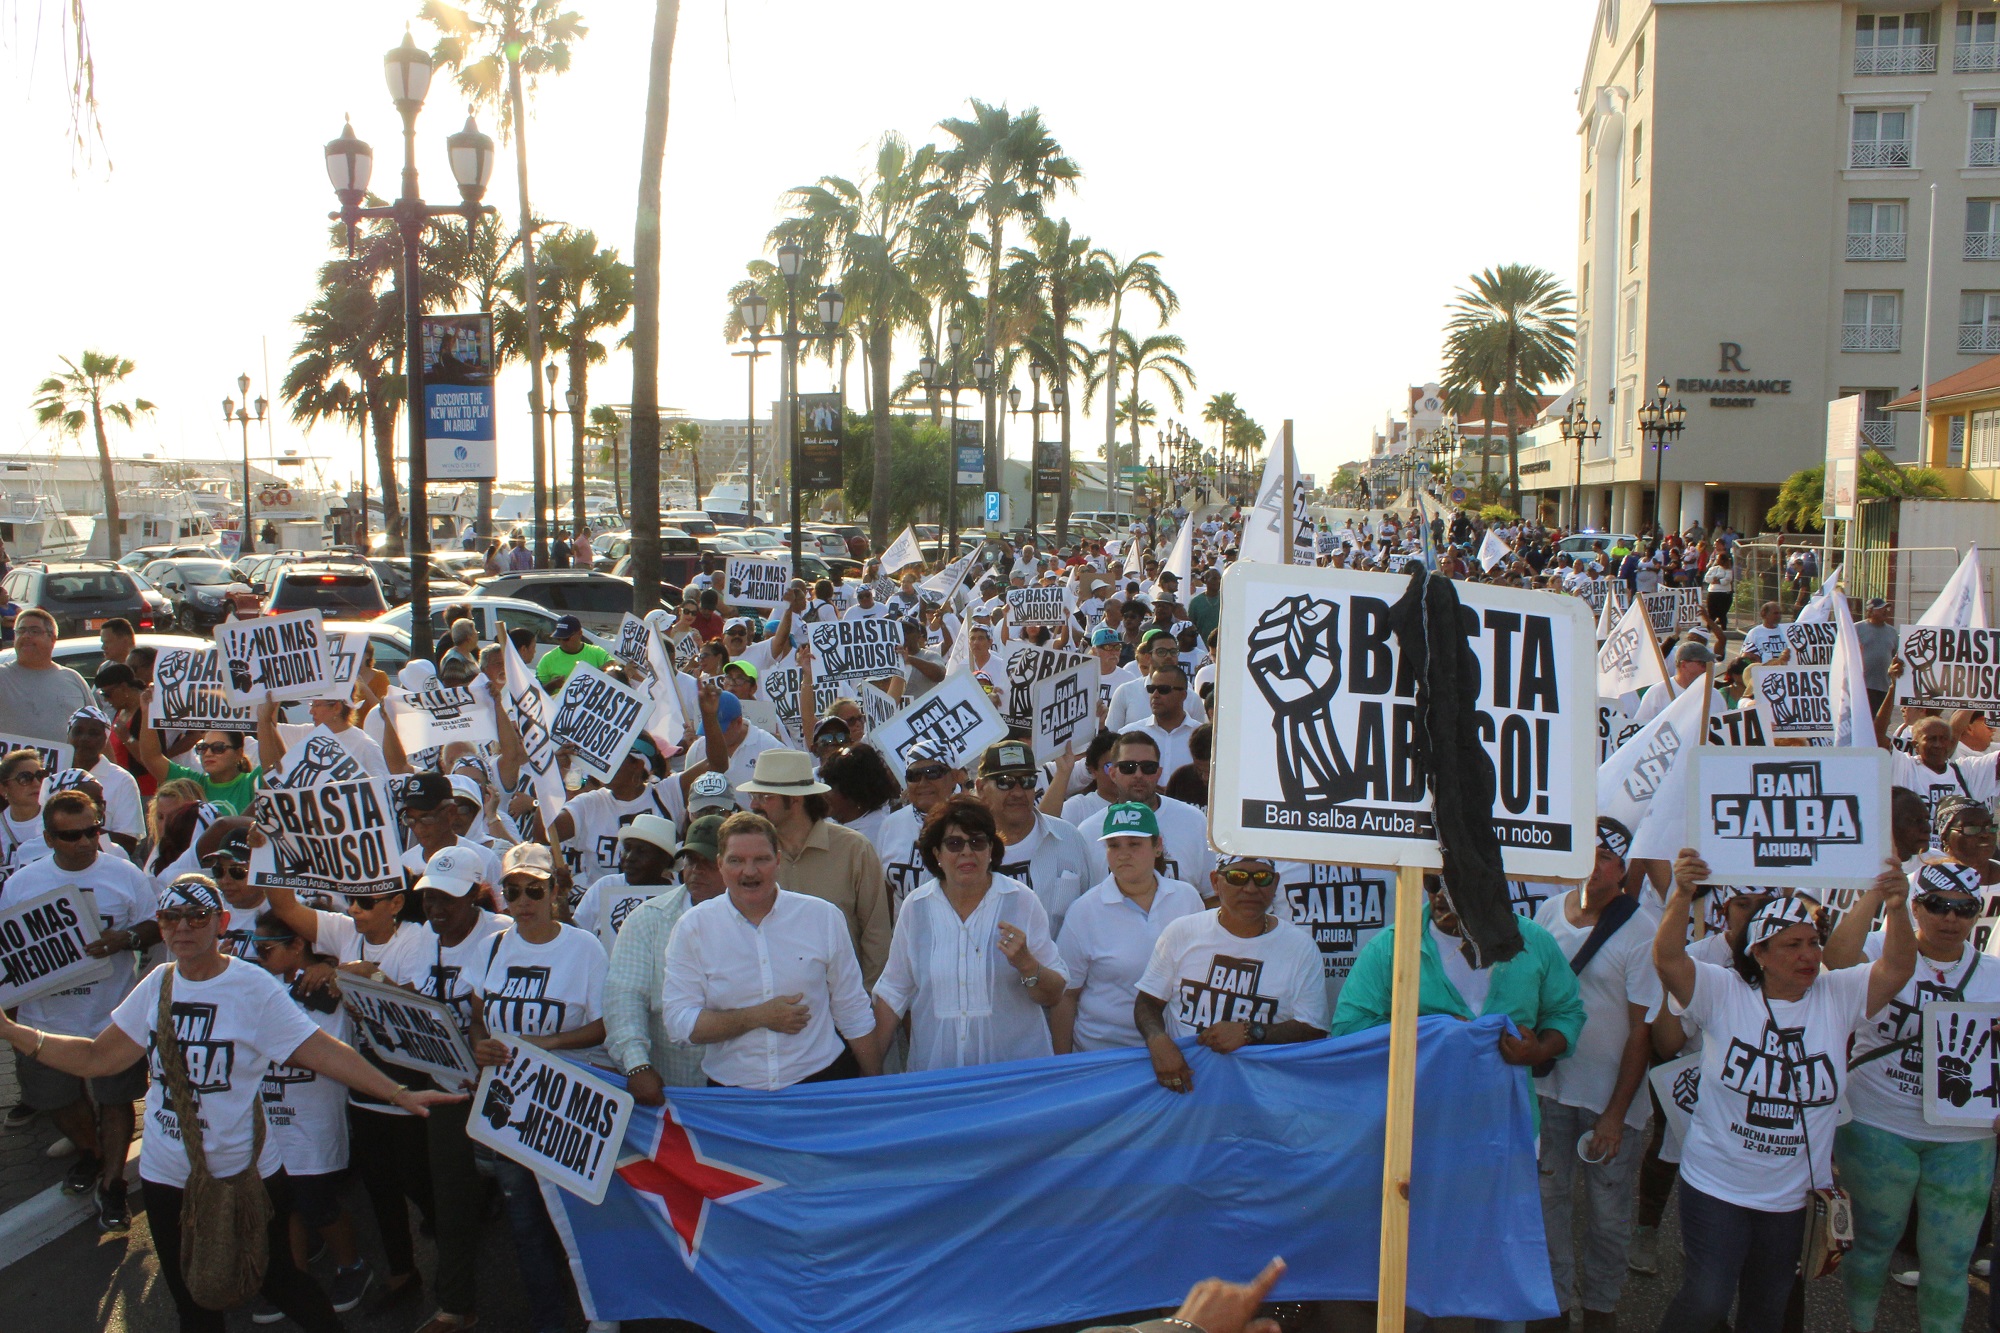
(1877, 245)
(1982, 245)
(1895, 59)
(1864, 153)
(1881, 434)
(1975, 57)
(1871, 337)
(1985, 153)
(1979, 338)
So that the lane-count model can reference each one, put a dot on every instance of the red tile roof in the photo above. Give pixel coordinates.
(1982, 378)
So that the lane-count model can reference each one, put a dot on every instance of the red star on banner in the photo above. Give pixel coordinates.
(685, 1182)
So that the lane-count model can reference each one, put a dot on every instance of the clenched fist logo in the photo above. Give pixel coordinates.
(171, 677)
(1295, 660)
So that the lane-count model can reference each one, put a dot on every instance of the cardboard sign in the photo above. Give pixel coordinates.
(42, 942)
(599, 716)
(284, 656)
(191, 693)
(1400, 561)
(320, 757)
(1811, 819)
(1949, 667)
(1961, 1063)
(531, 713)
(878, 705)
(1023, 665)
(1677, 1084)
(442, 714)
(409, 1030)
(327, 838)
(556, 1118)
(1672, 610)
(779, 684)
(752, 582)
(344, 651)
(847, 650)
(1038, 606)
(1315, 722)
(634, 649)
(687, 651)
(956, 714)
(1595, 591)
(56, 755)
(1064, 711)
(1795, 702)
(1810, 642)
(1736, 727)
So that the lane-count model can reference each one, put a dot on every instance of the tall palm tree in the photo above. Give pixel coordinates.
(1221, 411)
(1138, 277)
(605, 427)
(79, 395)
(581, 290)
(1057, 275)
(1157, 355)
(495, 46)
(1134, 412)
(1003, 168)
(1528, 314)
(686, 438)
(645, 337)
(1475, 373)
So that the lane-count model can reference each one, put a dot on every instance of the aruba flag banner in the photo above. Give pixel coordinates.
(1042, 1191)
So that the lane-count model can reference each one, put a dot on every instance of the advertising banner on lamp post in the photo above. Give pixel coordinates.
(459, 440)
(970, 452)
(819, 441)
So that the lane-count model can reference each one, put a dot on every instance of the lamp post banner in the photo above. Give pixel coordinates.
(970, 452)
(819, 441)
(459, 439)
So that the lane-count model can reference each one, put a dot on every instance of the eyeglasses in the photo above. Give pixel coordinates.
(77, 834)
(1238, 876)
(1165, 689)
(268, 945)
(1944, 903)
(184, 916)
(1004, 783)
(1977, 828)
(35, 777)
(928, 773)
(535, 892)
(970, 842)
(1130, 766)
(214, 747)
(368, 900)
(227, 870)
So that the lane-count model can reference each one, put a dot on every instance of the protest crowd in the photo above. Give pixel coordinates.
(952, 816)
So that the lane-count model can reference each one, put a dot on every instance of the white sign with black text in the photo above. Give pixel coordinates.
(190, 693)
(42, 943)
(1796, 702)
(848, 650)
(956, 715)
(1064, 708)
(1949, 667)
(284, 657)
(443, 714)
(753, 582)
(327, 838)
(601, 717)
(556, 1118)
(1810, 818)
(410, 1030)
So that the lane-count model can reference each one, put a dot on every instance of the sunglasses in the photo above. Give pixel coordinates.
(368, 901)
(928, 773)
(1011, 784)
(970, 842)
(184, 916)
(1977, 828)
(214, 747)
(36, 777)
(268, 945)
(1946, 904)
(232, 870)
(1165, 689)
(534, 892)
(1130, 766)
(77, 834)
(1238, 876)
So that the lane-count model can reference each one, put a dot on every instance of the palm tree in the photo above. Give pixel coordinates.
(645, 338)
(686, 437)
(1133, 412)
(493, 50)
(1158, 355)
(1139, 277)
(1221, 411)
(1057, 276)
(78, 395)
(1475, 372)
(1001, 167)
(1526, 314)
(605, 427)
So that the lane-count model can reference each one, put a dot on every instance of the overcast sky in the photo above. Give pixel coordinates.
(1318, 179)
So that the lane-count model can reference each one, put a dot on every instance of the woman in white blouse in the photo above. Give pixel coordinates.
(971, 961)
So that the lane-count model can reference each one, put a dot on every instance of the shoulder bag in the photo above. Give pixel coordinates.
(1615, 914)
(1829, 1230)
(225, 1222)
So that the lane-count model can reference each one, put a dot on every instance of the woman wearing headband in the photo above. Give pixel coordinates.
(1773, 1070)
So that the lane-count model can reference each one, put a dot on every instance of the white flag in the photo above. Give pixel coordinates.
(1492, 551)
(1847, 682)
(1262, 541)
(1607, 614)
(1961, 604)
(945, 582)
(1180, 560)
(1629, 658)
(532, 712)
(669, 721)
(903, 551)
(1651, 768)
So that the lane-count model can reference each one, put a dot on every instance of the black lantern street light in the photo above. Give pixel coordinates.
(832, 305)
(241, 416)
(349, 163)
(1662, 423)
(1577, 430)
(754, 310)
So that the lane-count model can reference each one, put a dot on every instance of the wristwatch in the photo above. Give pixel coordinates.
(1256, 1033)
(1032, 979)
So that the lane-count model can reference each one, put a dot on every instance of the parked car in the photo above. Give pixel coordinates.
(856, 537)
(1581, 543)
(138, 559)
(600, 601)
(392, 642)
(348, 589)
(468, 567)
(197, 591)
(80, 594)
(84, 653)
(394, 575)
(693, 522)
(489, 613)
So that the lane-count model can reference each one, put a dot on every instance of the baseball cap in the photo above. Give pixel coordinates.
(418, 675)
(643, 747)
(1129, 819)
(738, 664)
(1874, 602)
(1693, 650)
(426, 791)
(452, 870)
(464, 788)
(1614, 837)
(235, 845)
(728, 708)
(832, 729)
(702, 838)
(739, 623)
(710, 792)
(1006, 757)
(1103, 638)
(568, 625)
(525, 858)
(1151, 635)
(652, 829)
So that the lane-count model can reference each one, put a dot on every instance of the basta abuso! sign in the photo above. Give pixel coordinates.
(1949, 667)
(1315, 756)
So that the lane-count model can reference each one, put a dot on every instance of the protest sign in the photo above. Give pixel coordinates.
(1810, 642)
(190, 694)
(320, 757)
(1038, 606)
(687, 650)
(1650, 767)
(779, 685)
(956, 715)
(558, 1119)
(283, 656)
(410, 1030)
(327, 838)
(442, 714)
(1949, 667)
(1795, 702)
(945, 582)
(344, 651)
(845, 650)
(1628, 660)
(1064, 708)
(1024, 665)
(1615, 726)
(1961, 1063)
(1677, 1084)
(529, 710)
(1598, 591)
(42, 942)
(1736, 726)
(1810, 819)
(1398, 562)
(600, 717)
(754, 582)
(1315, 730)
(633, 647)
(56, 755)
(1672, 610)
(877, 704)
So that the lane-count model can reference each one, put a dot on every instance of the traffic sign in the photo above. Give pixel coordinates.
(992, 509)
(1458, 495)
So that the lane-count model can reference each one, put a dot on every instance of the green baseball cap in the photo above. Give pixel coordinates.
(701, 838)
(1129, 819)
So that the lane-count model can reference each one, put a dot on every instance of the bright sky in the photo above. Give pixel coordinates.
(1318, 179)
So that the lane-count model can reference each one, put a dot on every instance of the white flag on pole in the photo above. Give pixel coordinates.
(1628, 660)
(903, 551)
(1492, 551)
(1643, 785)
(1847, 682)
(1180, 560)
(1961, 604)
(1263, 541)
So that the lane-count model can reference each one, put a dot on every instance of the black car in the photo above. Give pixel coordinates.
(197, 590)
(600, 601)
(394, 575)
(80, 594)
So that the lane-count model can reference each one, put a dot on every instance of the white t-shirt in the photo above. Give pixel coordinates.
(124, 897)
(1620, 973)
(1746, 1143)
(455, 974)
(230, 1029)
(341, 940)
(1969, 777)
(1720, 578)
(1106, 943)
(306, 1112)
(1472, 983)
(1132, 707)
(1183, 840)
(896, 845)
(539, 990)
(606, 905)
(1767, 641)
(593, 848)
(124, 808)
(1207, 975)
(1052, 861)
(1340, 908)
(1110, 682)
(21, 840)
(1888, 1091)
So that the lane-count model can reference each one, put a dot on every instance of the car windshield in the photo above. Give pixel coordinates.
(88, 586)
(329, 592)
(205, 573)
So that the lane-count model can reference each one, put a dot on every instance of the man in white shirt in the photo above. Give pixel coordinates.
(124, 811)
(745, 743)
(1767, 640)
(766, 980)
(1693, 659)
(1134, 772)
(865, 606)
(1044, 853)
(1130, 704)
(1171, 725)
(1934, 774)
(1106, 647)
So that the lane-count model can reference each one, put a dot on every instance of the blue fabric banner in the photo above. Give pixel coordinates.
(1042, 1191)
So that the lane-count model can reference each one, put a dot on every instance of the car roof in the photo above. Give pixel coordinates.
(551, 576)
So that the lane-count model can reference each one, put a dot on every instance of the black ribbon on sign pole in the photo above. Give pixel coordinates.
(1428, 621)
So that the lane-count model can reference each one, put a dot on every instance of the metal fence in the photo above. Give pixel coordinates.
(1909, 576)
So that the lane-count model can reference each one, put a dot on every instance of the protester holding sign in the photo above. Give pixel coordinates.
(930, 778)
(226, 775)
(1774, 1067)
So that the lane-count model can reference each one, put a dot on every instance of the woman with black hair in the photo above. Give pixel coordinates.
(863, 788)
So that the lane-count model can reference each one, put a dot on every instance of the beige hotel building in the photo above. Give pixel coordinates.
(1752, 225)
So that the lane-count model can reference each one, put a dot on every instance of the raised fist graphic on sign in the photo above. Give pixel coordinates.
(1295, 660)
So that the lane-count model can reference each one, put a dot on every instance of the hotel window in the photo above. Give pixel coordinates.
(1894, 44)
(1638, 149)
(1871, 322)
(1639, 67)
(1984, 151)
(1880, 137)
(1982, 229)
(1955, 443)
(1876, 229)
(1632, 249)
(1979, 322)
(1583, 292)
(1632, 323)
(1978, 48)
(1982, 440)
(1587, 211)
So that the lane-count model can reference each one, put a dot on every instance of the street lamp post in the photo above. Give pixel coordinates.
(954, 335)
(544, 523)
(1035, 410)
(1576, 430)
(754, 310)
(832, 305)
(1662, 423)
(349, 163)
(241, 415)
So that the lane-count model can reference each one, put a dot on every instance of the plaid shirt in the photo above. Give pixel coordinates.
(635, 1032)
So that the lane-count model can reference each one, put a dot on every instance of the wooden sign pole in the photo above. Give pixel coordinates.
(1392, 1278)
(1285, 521)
